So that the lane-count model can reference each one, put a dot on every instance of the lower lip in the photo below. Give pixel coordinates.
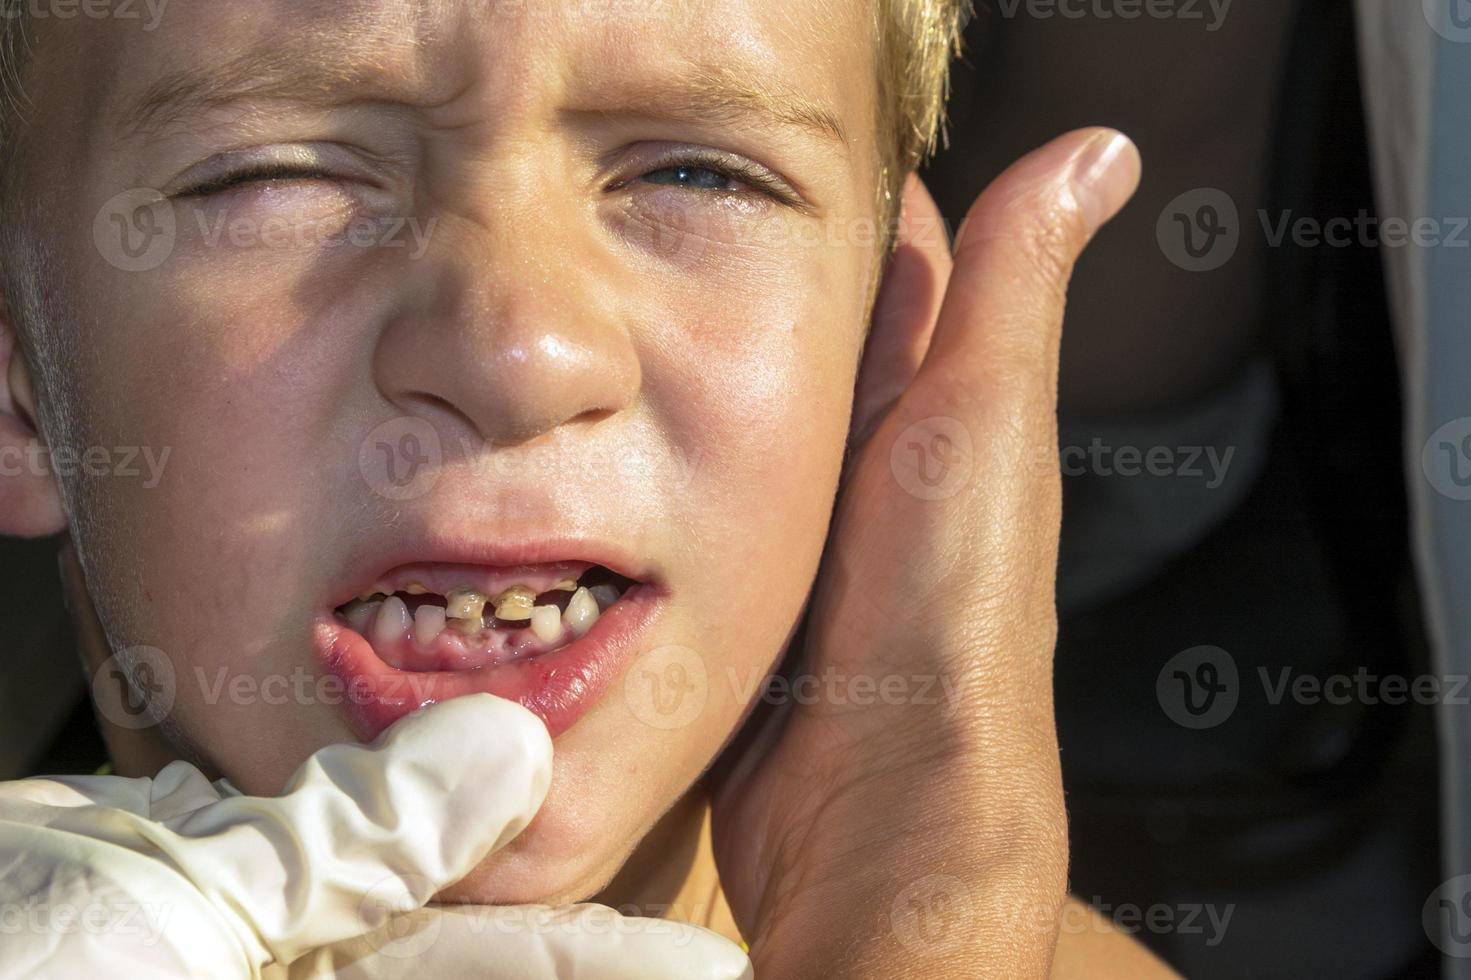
(559, 687)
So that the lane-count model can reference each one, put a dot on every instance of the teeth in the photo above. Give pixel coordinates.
(414, 588)
(428, 624)
(566, 585)
(465, 604)
(359, 613)
(392, 624)
(516, 603)
(581, 612)
(546, 623)
(605, 595)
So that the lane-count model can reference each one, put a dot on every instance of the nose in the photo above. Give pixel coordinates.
(512, 336)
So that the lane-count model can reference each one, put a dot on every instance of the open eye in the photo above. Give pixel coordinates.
(695, 176)
(716, 172)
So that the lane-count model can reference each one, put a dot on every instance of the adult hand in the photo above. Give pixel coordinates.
(914, 825)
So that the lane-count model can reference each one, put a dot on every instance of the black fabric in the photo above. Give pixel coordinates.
(1314, 823)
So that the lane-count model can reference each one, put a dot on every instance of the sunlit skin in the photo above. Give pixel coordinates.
(576, 304)
(636, 321)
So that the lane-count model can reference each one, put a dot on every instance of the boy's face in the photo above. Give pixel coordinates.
(519, 282)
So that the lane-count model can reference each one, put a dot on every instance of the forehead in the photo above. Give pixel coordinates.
(798, 57)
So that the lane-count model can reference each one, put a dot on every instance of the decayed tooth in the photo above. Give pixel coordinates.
(428, 624)
(359, 613)
(566, 585)
(581, 612)
(414, 588)
(465, 604)
(546, 623)
(392, 623)
(516, 603)
(605, 595)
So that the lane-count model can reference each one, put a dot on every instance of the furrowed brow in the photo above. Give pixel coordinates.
(297, 69)
(723, 95)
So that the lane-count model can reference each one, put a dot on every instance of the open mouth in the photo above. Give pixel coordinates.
(418, 621)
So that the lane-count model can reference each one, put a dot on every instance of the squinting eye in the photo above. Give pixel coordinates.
(259, 175)
(700, 178)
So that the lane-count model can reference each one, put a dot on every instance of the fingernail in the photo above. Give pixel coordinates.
(1105, 174)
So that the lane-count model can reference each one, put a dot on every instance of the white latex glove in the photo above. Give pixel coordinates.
(173, 876)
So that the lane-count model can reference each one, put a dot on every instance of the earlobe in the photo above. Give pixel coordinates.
(30, 500)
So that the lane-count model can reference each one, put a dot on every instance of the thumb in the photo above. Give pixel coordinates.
(363, 831)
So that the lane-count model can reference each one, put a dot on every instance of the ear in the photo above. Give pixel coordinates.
(30, 500)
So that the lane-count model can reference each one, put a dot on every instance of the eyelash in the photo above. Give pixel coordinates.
(732, 169)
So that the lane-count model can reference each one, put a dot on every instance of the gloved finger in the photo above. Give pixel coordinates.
(394, 822)
(578, 942)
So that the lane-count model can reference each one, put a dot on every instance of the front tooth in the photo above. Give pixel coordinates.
(392, 623)
(546, 623)
(566, 585)
(465, 604)
(414, 588)
(581, 612)
(515, 604)
(606, 595)
(428, 624)
(359, 613)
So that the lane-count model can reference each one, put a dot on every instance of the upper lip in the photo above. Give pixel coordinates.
(384, 564)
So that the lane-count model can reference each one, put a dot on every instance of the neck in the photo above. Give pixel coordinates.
(672, 873)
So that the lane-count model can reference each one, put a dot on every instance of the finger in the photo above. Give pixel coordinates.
(905, 309)
(530, 943)
(364, 831)
(996, 341)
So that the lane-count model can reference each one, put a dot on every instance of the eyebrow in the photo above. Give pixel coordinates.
(720, 94)
(295, 71)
